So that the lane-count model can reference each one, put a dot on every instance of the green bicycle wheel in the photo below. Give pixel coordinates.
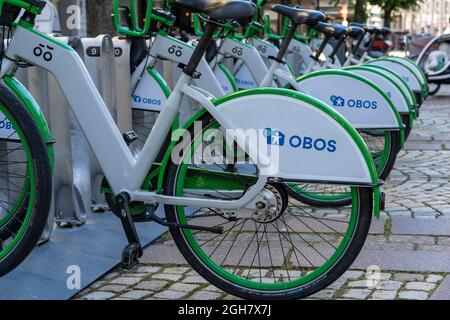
(286, 250)
(25, 182)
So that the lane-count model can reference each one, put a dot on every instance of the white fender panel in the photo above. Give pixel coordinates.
(357, 100)
(388, 87)
(305, 142)
(412, 65)
(397, 79)
(149, 95)
(244, 78)
(408, 76)
(226, 84)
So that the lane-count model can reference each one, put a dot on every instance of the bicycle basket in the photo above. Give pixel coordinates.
(9, 14)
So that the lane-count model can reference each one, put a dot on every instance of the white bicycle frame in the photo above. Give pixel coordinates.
(166, 47)
(263, 76)
(124, 172)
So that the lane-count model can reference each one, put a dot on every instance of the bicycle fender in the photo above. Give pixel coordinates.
(225, 79)
(36, 113)
(358, 99)
(403, 71)
(306, 140)
(388, 86)
(151, 92)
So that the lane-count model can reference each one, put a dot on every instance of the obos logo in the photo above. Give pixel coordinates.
(339, 101)
(148, 101)
(6, 125)
(278, 138)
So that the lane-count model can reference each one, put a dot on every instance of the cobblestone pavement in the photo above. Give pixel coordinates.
(409, 245)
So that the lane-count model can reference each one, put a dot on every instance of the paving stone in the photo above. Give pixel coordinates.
(254, 272)
(155, 254)
(413, 295)
(113, 288)
(126, 280)
(136, 294)
(110, 276)
(422, 286)
(324, 294)
(434, 278)
(358, 284)
(167, 276)
(337, 284)
(169, 294)
(443, 290)
(353, 274)
(357, 293)
(184, 287)
(148, 269)
(176, 270)
(427, 227)
(205, 295)
(194, 279)
(389, 285)
(384, 295)
(412, 239)
(407, 260)
(134, 274)
(99, 295)
(408, 277)
(152, 285)
(212, 288)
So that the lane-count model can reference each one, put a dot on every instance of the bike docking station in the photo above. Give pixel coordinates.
(81, 235)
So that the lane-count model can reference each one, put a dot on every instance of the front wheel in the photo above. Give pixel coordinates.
(25, 182)
(291, 250)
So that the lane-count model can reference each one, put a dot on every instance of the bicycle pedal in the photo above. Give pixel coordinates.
(130, 256)
(130, 137)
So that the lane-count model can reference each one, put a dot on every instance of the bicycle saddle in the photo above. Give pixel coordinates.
(385, 31)
(334, 30)
(368, 29)
(355, 32)
(300, 16)
(219, 9)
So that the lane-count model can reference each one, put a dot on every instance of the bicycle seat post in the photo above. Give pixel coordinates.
(337, 47)
(201, 48)
(325, 41)
(285, 44)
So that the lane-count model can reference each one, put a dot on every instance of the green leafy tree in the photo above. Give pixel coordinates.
(390, 6)
(360, 15)
(99, 19)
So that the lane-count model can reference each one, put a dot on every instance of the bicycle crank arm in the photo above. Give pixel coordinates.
(158, 220)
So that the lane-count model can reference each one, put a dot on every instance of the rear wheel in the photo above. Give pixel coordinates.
(283, 250)
(25, 182)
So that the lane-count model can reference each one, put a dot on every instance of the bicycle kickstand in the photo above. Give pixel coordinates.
(133, 251)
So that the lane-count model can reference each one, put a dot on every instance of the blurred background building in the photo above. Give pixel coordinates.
(425, 17)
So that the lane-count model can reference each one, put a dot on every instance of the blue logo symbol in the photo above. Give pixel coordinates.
(275, 137)
(278, 138)
(337, 101)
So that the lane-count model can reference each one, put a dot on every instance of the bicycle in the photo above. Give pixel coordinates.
(209, 209)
